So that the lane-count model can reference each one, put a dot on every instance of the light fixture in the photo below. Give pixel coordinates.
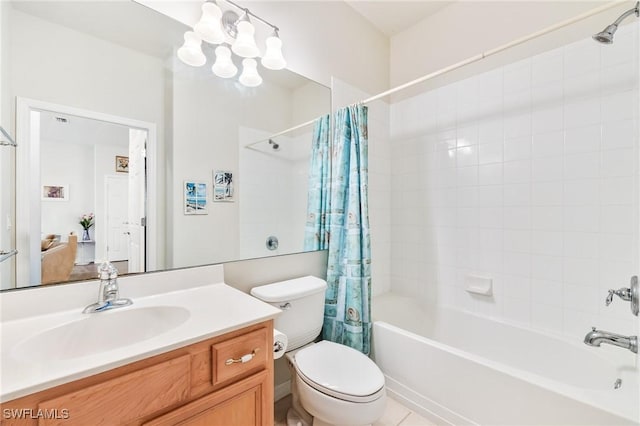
(209, 27)
(250, 76)
(245, 44)
(273, 58)
(191, 51)
(233, 34)
(224, 67)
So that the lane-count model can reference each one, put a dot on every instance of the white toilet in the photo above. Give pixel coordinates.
(331, 384)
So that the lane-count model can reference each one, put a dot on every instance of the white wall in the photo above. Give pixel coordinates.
(467, 28)
(320, 39)
(66, 164)
(527, 174)
(202, 239)
(53, 63)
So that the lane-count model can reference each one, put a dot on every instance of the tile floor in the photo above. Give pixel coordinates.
(395, 414)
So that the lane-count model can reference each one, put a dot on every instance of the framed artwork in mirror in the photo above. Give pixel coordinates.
(55, 192)
(195, 197)
(122, 164)
(223, 186)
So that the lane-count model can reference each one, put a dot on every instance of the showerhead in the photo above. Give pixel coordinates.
(606, 36)
(274, 145)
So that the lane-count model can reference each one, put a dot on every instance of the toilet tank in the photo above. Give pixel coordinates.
(302, 304)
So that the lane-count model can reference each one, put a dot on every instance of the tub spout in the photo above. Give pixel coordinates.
(597, 337)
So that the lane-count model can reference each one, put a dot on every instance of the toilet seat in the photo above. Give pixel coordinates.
(340, 371)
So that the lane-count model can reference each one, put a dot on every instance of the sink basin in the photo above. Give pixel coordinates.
(100, 332)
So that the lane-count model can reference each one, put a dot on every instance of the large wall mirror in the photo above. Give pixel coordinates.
(166, 165)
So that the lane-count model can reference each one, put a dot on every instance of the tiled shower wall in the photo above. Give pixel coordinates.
(527, 174)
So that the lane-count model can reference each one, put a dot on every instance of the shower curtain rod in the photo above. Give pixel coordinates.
(290, 129)
(499, 49)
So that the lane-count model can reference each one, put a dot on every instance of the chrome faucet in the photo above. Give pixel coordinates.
(630, 294)
(108, 295)
(596, 337)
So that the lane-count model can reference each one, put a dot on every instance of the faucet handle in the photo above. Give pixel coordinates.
(609, 299)
(628, 294)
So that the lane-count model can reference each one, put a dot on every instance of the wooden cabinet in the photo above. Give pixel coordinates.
(226, 381)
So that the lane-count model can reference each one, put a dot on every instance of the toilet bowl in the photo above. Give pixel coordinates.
(337, 385)
(331, 384)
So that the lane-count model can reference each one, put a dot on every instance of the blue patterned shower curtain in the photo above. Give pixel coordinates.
(347, 317)
(316, 235)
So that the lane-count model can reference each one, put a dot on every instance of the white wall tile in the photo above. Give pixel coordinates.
(582, 113)
(518, 241)
(529, 174)
(548, 145)
(582, 192)
(517, 171)
(616, 190)
(547, 169)
(548, 243)
(548, 120)
(582, 166)
(490, 174)
(581, 245)
(618, 162)
(619, 134)
(581, 58)
(491, 153)
(619, 106)
(547, 193)
(547, 67)
(582, 139)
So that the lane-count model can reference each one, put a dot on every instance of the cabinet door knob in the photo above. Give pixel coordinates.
(243, 358)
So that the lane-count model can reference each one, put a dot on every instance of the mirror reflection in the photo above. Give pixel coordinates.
(127, 154)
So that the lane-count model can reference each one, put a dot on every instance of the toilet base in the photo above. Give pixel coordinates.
(294, 419)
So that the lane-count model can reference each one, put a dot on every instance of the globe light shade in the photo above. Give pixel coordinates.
(273, 58)
(191, 51)
(209, 27)
(250, 76)
(245, 44)
(224, 66)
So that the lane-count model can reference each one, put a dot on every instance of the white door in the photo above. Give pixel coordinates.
(137, 199)
(117, 208)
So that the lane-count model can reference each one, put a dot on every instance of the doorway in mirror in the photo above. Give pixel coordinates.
(101, 162)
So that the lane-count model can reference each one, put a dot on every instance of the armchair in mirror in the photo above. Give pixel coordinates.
(109, 123)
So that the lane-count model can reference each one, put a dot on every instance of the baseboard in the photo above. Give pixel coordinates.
(424, 406)
(282, 390)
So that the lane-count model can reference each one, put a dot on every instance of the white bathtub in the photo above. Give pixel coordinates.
(457, 368)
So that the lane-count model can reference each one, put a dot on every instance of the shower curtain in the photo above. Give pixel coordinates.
(347, 318)
(315, 232)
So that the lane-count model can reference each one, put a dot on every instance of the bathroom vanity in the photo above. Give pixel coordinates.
(196, 354)
(195, 385)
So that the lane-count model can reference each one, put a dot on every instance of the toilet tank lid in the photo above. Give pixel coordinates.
(296, 288)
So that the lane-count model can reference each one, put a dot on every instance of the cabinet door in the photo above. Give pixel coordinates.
(241, 404)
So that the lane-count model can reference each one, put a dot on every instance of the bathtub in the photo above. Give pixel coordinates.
(456, 368)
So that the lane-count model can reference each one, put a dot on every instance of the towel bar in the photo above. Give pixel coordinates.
(4, 255)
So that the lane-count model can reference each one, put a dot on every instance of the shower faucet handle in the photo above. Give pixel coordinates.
(630, 294)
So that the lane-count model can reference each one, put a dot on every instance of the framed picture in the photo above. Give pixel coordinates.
(122, 164)
(55, 192)
(195, 197)
(222, 185)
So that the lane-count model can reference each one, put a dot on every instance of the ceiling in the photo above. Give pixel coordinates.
(392, 17)
(81, 131)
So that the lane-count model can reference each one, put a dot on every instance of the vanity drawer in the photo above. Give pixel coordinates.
(125, 398)
(240, 355)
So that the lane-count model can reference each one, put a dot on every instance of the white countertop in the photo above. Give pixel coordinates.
(214, 310)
